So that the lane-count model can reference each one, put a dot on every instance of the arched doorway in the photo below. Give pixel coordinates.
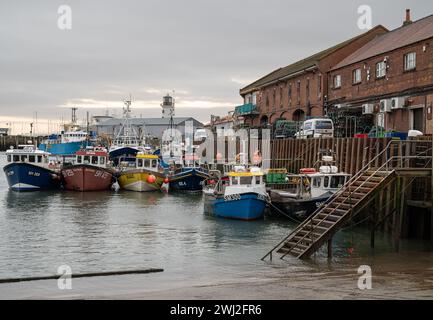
(284, 116)
(298, 115)
(264, 120)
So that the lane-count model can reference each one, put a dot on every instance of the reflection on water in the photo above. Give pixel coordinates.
(101, 231)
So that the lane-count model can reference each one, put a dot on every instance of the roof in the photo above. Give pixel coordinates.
(147, 121)
(303, 64)
(403, 36)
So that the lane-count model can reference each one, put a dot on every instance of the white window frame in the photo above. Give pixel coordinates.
(357, 76)
(380, 69)
(337, 81)
(409, 61)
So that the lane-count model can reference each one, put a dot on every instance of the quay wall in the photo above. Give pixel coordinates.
(7, 141)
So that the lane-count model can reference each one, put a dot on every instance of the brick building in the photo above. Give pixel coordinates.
(389, 80)
(297, 90)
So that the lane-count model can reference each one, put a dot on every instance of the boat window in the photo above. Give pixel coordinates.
(317, 182)
(139, 162)
(326, 182)
(94, 160)
(147, 163)
(16, 158)
(86, 159)
(39, 159)
(102, 160)
(24, 158)
(154, 163)
(245, 180)
(78, 159)
(9, 158)
(32, 159)
(337, 181)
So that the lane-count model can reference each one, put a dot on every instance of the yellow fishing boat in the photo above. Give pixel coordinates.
(145, 174)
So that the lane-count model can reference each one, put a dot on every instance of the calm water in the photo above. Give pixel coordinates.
(107, 231)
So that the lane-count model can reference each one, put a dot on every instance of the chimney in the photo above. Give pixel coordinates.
(407, 21)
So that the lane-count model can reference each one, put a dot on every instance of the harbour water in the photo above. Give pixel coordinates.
(110, 231)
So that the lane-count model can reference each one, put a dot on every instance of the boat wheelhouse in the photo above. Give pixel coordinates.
(145, 174)
(308, 190)
(29, 168)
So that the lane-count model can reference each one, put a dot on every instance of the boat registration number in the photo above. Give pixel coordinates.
(232, 197)
(34, 174)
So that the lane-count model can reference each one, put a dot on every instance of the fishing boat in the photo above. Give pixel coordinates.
(29, 169)
(243, 196)
(189, 177)
(145, 174)
(308, 190)
(68, 142)
(91, 171)
(127, 143)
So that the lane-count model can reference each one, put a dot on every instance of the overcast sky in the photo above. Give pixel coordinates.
(205, 50)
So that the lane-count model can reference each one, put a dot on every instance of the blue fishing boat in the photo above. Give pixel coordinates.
(244, 197)
(188, 179)
(71, 140)
(28, 169)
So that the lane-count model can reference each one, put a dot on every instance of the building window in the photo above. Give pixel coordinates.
(410, 61)
(267, 99)
(356, 76)
(307, 87)
(337, 81)
(319, 86)
(380, 69)
(298, 90)
(290, 91)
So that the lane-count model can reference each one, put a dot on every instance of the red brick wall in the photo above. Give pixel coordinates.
(396, 80)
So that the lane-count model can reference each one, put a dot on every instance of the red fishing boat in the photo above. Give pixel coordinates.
(90, 171)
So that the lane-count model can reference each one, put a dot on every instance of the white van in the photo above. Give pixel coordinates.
(316, 128)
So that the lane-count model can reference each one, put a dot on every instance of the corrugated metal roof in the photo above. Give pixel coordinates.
(303, 64)
(403, 36)
(147, 121)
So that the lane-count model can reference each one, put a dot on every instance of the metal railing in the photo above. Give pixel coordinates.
(348, 185)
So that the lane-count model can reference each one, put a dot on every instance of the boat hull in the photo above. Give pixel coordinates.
(29, 177)
(299, 208)
(191, 180)
(63, 149)
(137, 180)
(86, 178)
(248, 206)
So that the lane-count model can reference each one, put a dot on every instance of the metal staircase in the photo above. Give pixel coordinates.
(311, 234)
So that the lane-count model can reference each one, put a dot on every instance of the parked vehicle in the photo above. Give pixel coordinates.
(316, 128)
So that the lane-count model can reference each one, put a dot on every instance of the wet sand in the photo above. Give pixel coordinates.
(394, 277)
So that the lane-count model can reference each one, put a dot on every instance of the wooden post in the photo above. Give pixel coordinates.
(330, 248)
(397, 211)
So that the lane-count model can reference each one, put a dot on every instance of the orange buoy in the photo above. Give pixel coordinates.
(166, 180)
(151, 179)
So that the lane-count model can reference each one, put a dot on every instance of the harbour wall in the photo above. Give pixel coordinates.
(7, 141)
